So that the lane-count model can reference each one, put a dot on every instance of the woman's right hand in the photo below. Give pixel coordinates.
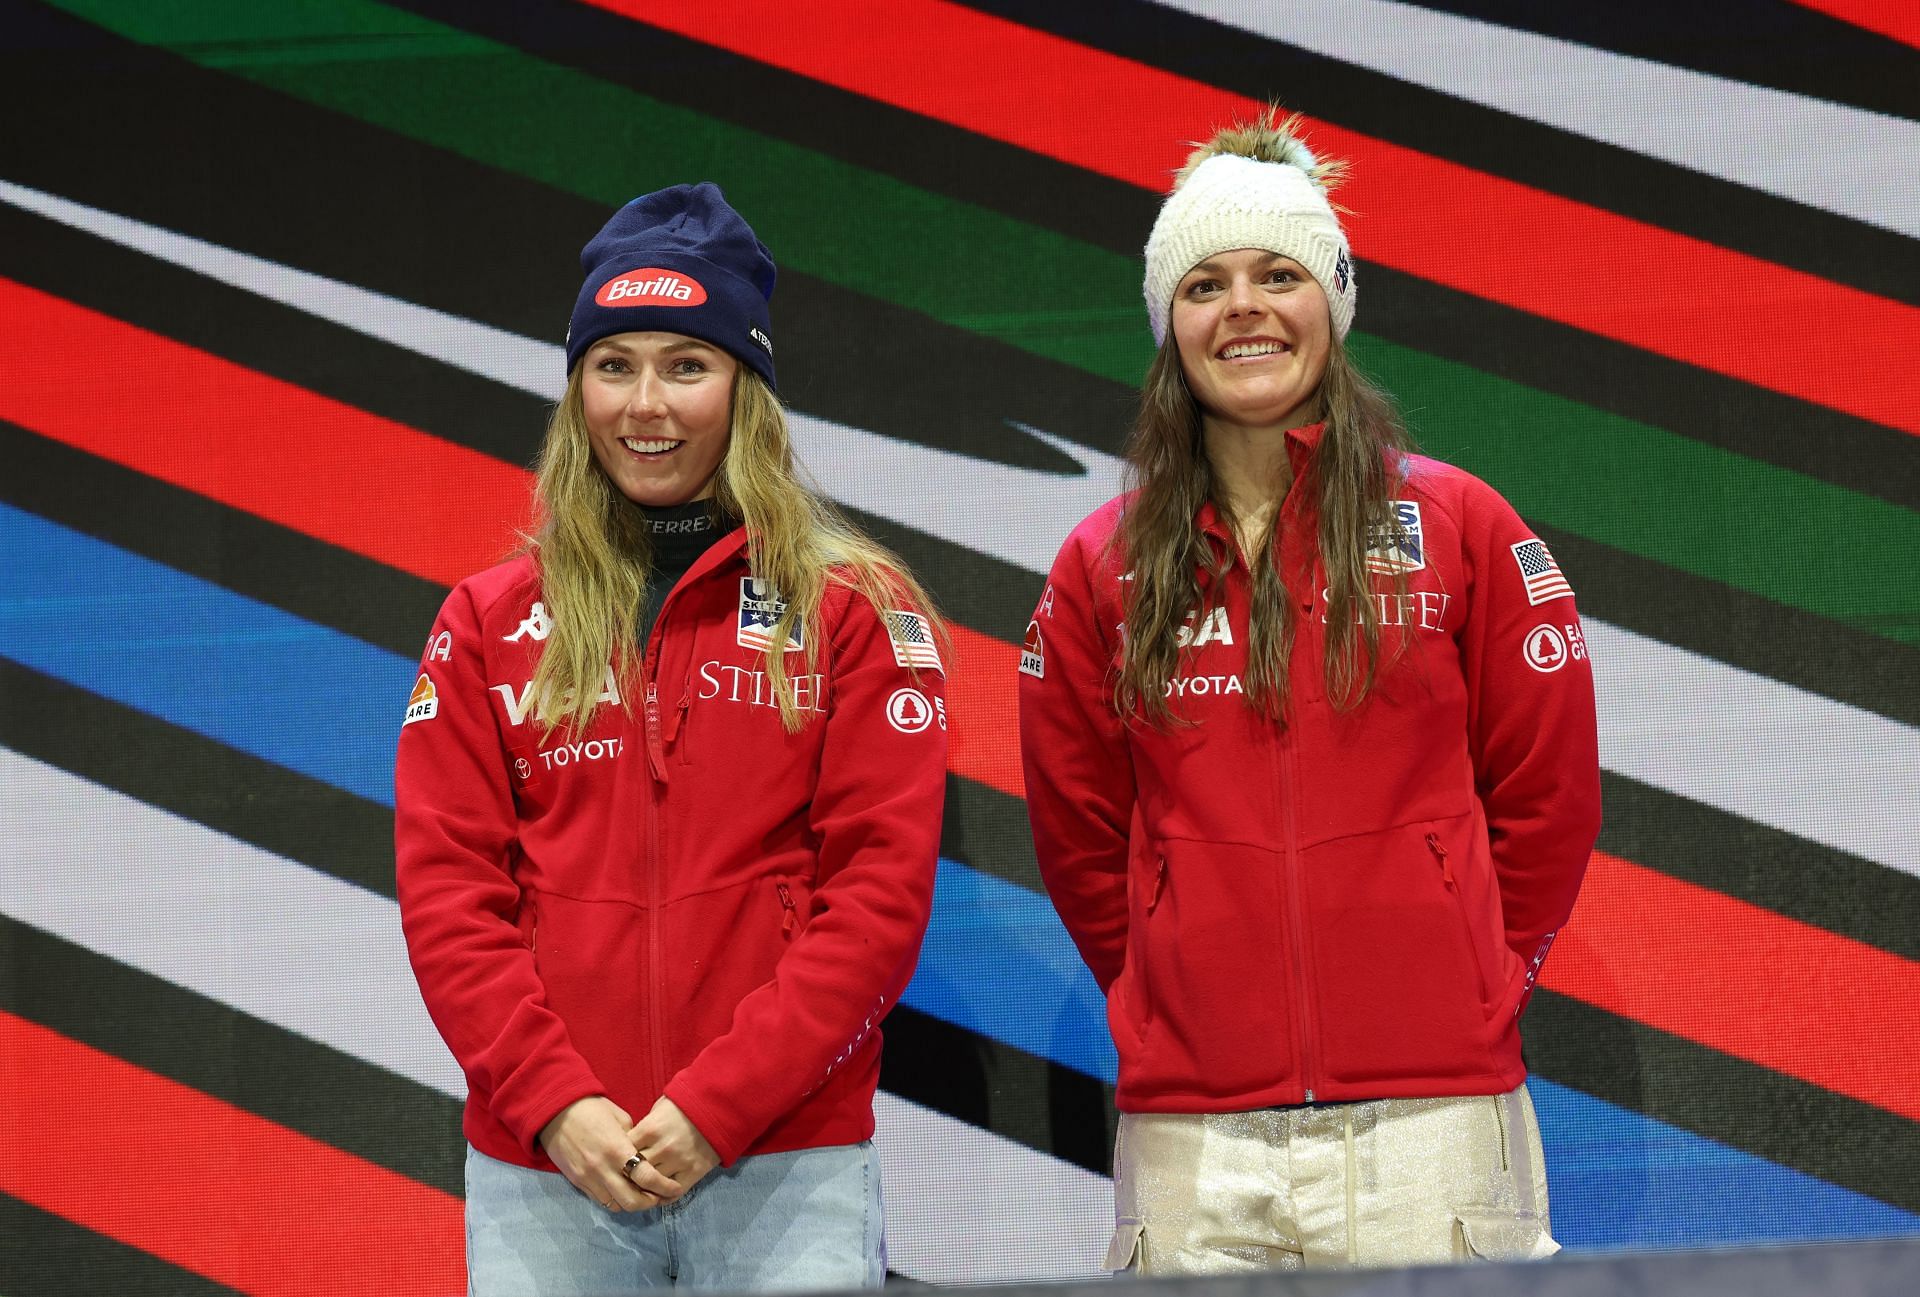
(588, 1141)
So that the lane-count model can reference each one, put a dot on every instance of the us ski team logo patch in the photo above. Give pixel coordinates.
(1401, 547)
(912, 638)
(760, 610)
(424, 703)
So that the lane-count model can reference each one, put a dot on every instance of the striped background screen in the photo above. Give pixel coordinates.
(282, 289)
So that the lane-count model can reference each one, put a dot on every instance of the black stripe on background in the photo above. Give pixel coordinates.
(1763, 866)
(1744, 630)
(1028, 1099)
(45, 1255)
(188, 775)
(228, 547)
(1601, 175)
(1767, 42)
(1769, 1114)
(367, 206)
(1699, 404)
(1401, 307)
(275, 1074)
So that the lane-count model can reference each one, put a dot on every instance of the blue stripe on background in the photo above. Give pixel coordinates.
(200, 657)
(996, 960)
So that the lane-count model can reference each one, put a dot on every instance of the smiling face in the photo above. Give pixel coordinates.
(658, 409)
(1254, 333)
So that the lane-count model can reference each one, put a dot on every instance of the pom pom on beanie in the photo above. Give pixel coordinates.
(1255, 185)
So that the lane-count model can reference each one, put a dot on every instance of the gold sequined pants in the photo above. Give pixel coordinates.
(1390, 1182)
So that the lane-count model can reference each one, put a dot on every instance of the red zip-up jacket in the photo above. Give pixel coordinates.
(1351, 905)
(684, 899)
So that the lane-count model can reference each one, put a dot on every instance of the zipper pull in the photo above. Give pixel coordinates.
(1159, 882)
(791, 917)
(656, 756)
(679, 717)
(1440, 854)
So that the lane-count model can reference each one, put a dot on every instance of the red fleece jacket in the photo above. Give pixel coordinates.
(1351, 905)
(684, 899)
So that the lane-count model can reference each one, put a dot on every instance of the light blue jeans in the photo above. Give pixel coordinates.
(811, 1218)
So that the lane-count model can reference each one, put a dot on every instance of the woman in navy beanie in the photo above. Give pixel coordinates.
(668, 802)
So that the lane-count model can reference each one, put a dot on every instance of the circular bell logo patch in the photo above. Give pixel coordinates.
(1546, 648)
(651, 286)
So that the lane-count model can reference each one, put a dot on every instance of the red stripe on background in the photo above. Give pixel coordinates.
(210, 1187)
(1680, 297)
(327, 470)
(1899, 19)
(380, 489)
(1744, 980)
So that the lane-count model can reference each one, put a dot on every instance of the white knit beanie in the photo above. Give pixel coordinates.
(1230, 201)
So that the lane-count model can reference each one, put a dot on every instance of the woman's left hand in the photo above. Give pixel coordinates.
(673, 1144)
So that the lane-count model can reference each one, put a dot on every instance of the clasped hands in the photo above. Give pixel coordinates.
(594, 1140)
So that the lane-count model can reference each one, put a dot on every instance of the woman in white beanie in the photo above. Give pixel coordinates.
(1310, 753)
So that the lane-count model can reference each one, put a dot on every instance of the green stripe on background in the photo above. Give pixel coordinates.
(491, 103)
(1774, 533)
(1748, 524)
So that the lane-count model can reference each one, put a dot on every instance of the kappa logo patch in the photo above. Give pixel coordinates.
(760, 610)
(424, 703)
(912, 638)
(536, 623)
(1033, 653)
(1543, 577)
(1400, 547)
(651, 286)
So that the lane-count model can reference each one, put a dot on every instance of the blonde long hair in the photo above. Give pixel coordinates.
(1350, 482)
(594, 555)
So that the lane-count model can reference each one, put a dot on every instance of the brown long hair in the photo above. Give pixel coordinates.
(1350, 481)
(594, 554)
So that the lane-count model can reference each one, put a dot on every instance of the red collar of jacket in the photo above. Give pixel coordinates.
(1301, 444)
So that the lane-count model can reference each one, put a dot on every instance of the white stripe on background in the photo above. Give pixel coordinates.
(324, 959)
(1845, 160)
(1668, 717)
(863, 470)
(1759, 749)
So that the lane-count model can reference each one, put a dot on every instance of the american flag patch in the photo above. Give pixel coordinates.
(913, 644)
(1543, 576)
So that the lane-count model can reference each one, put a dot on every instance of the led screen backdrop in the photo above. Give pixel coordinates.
(282, 288)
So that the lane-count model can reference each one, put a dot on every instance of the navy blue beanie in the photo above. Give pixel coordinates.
(678, 260)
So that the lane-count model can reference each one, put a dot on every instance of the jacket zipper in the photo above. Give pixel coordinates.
(790, 918)
(655, 864)
(1289, 791)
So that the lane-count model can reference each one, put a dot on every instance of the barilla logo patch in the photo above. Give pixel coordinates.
(651, 286)
(424, 703)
